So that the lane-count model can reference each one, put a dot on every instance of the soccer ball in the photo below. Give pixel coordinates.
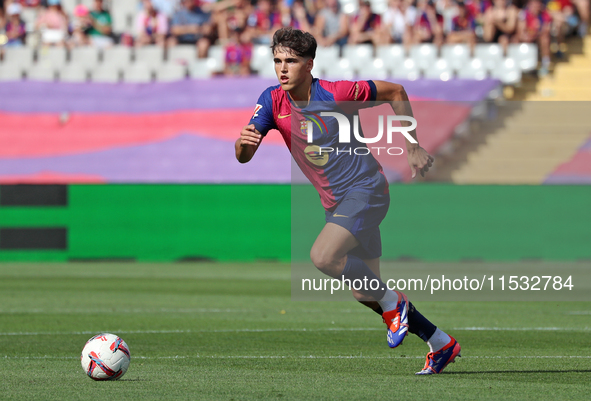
(105, 357)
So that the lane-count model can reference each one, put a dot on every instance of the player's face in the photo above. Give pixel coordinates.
(291, 70)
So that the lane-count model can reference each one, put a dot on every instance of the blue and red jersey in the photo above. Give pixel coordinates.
(332, 173)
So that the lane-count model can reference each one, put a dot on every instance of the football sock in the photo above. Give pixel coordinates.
(419, 324)
(438, 340)
(389, 301)
(356, 269)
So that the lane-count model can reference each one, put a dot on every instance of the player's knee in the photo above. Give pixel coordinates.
(323, 261)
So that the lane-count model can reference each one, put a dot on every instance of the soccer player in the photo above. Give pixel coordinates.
(352, 188)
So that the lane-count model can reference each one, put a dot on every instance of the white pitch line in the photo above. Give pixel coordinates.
(6, 357)
(116, 310)
(520, 329)
(48, 333)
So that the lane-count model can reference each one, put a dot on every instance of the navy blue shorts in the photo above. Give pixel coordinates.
(361, 214)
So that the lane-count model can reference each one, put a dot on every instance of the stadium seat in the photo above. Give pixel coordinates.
(407, 70)
(87, 56)
(201, 68)
(29, 16)
(123, 13)
(508, 72)
(41, 73)
(349, 6)
(457, 55)
(55, 57)
(525, 55)
(137, 72)
(153, 56)
(440, 69)
(340, 70)
(182, 54)
(391, 54)
(73, 73)
(129, 6)
(424, 55)
(379, 6)
(119, 56)
(261, 56)
(10, 72)
(19, 56)
(171, 72)
(106, 73)
(491, 55)
(216, 58)
(358, 55)
(474, 69)
(68, 6)
(267, 70)
(374, 70)
(325, 58)
(122, 22)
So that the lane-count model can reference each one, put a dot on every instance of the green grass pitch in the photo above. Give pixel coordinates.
(231, 332)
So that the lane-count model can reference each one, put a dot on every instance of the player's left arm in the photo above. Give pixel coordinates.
(418, 158)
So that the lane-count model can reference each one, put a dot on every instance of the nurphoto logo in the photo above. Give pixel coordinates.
(345, 134)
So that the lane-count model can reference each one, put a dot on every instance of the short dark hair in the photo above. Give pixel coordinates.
(301, 43)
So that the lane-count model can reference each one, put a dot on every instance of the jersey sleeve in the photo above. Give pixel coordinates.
(262, 118)
(354, 91)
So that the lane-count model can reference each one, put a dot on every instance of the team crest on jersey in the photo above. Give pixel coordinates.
(304, 127)
(256, 110)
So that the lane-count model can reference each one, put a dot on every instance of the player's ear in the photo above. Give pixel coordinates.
(309, 65)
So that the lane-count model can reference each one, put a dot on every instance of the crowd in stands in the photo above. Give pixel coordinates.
(239, 24)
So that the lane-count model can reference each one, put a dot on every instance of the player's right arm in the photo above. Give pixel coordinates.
(260, 123)
(248, 143)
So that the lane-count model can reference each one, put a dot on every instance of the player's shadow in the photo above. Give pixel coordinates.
(481, 372)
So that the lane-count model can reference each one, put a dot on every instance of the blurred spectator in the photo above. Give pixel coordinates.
(190, 25)
(462, 27)
(449, 10)
(80, 27)
(366, 25)
(167, 7)
(151, 25)
(238, 54)
(263, 22)
(101, 23)
(28, 3)
(53, 24)
(583, 9)
(298, 17)
(14, 26)
(500, 23)
(534, 27)
(398, 21)
(331, 25)
(477, 9)
(429, 27)
(228, 16)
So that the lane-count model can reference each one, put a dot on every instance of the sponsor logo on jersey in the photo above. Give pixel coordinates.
(315, 156)
(256, 110)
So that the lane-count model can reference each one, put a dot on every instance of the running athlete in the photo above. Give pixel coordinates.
(352, 188)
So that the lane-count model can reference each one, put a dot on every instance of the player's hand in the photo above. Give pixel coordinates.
(419, 159)
(249, 136)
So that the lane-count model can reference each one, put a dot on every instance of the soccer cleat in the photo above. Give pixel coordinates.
(397, 321)
(438, 360)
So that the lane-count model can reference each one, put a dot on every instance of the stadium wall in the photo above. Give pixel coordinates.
(433, 222)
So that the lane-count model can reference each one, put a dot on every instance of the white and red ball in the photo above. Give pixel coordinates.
(105, 357)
